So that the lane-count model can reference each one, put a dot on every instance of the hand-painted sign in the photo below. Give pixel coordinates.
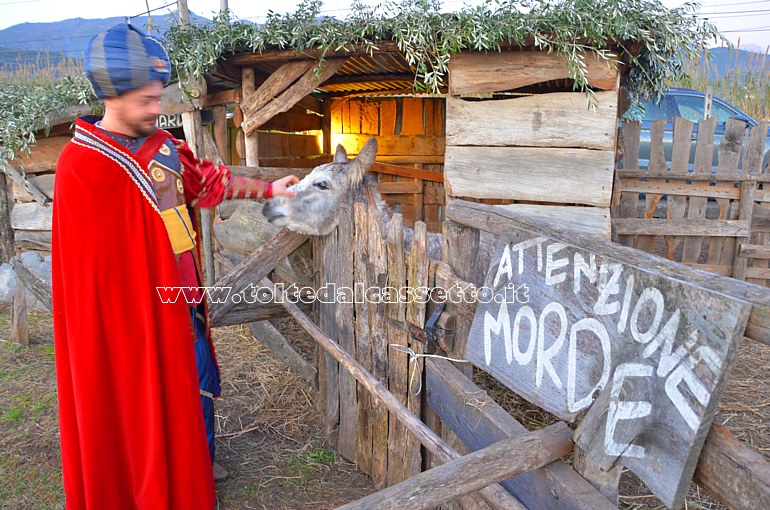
(169, 121)
(641, 357)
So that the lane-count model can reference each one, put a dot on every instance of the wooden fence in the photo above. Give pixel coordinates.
(711, 214)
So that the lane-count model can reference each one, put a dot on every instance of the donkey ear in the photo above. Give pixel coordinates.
(341, 156)
(363, 161)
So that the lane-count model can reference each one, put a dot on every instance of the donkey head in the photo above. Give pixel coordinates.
(315, 209)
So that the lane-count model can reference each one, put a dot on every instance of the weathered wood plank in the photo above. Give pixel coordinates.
(246, 313)
(629, 201)
(388, 118)
(479, 421)
(288, 98)
(547, 175)
(39, 287)
(31, 216)
(7, 248)
(479, 73)
(733, 473)
(254, 267)
(563, 119)
(704, 156)
(473, 471)
(745, 212)
(390, 188)
(328, 366)
(250, 140)
(271, 338)
(689, 347)
(403, 171)
(398, 362)
(19, 321)
(493, 494)
(682, 227)
(680, 157)
(274, 85)
(756, 251)
(697, 189)
(27, 184)
(365, 446)
(496, 221)
(32, 240)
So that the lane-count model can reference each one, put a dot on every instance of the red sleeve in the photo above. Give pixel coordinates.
(204, 182)
(244, 187)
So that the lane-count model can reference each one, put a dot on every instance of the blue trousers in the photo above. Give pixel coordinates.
(208, 377)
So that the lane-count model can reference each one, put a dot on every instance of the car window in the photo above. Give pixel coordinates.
(651, 111)
(690, 108)
(722, 112)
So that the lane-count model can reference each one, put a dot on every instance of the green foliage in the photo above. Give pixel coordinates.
(29, 96)
(651, 38)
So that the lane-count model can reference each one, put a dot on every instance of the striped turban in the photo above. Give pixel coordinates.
(123, 59)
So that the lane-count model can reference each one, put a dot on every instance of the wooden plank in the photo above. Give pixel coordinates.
(744, 214)
(246, 313)
(365, 446)
(755, 251)
(585, 220)
(480, 73)
(704, 156)
(32, 240)
(388, 117)
(547, 175)
(342, 318)
(676, 205)
(19, 322)
(43, 156)
(494, 494)
(352, 124)
(757, 273)
(479, 421)
(253, 267)
(40, 288)
(472, 472)
(275, 84)
(292, 122)
(31, 216)
(562, 119)
(625, 339)
(657, 165)
(174, 100)
(28, 184)
(398, 362)
(386, 188)
(370, 118)
(425, 159)
(403, 171)
(696, 189)
(412, 116)
(272, 145)
(722, 250)
(377, 269)
(460, 245)
(271, 338)
(733, 473)
(417, 280)
(328, 365)
(383, 47)
(397, 145)
(682, 227)
(752, 165)
(289, 97)
(629, 201)
(7, 248)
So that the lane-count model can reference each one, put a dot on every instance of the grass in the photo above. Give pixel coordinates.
(748, 88)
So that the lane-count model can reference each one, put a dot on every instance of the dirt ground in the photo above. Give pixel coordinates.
(268, 428)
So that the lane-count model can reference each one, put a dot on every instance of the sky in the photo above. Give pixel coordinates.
(748, 20)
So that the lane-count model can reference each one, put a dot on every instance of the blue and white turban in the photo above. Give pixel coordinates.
(123, 59)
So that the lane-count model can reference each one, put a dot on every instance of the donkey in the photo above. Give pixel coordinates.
(316, 208)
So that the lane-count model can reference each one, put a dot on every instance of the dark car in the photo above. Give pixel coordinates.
(690, 105)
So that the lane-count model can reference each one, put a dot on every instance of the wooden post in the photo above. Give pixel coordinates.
(184, 13)
(494, 494)
(326, 125)
(6, 231)
(504, 459)
(248, 88)
(39, 287)
(19, 324)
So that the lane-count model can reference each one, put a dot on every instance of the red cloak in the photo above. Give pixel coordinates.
(132, 433)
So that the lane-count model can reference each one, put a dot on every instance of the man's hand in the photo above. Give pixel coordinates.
(280, 186)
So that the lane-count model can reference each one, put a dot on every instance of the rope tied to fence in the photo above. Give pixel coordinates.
(413, 358)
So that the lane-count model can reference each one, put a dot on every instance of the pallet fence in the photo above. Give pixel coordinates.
(712, 215)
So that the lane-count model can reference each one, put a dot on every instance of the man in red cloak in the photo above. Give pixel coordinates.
(130, 396)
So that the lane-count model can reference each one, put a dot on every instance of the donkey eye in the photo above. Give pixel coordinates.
(321, 185)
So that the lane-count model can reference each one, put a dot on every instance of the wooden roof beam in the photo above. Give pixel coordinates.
(314, 53)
